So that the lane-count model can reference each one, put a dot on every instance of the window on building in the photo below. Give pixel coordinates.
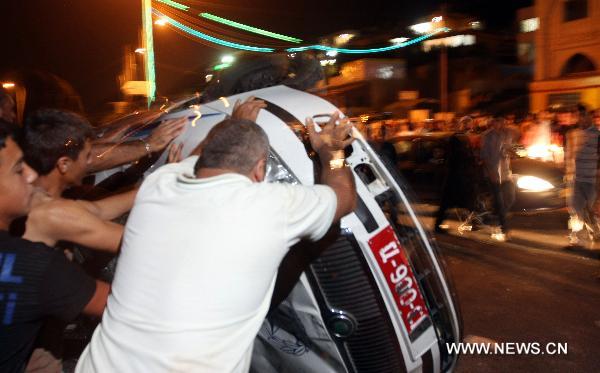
(526, 53)
(530, 24)
(578, 64)
(575, 9)
(564, 99)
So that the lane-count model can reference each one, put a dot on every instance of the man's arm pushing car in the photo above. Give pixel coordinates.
(108, 155)
(96, 305)
(329, 144)
(67, 220)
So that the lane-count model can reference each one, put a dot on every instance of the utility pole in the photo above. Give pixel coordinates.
(444, 78)
(148, 45)
(444, 68)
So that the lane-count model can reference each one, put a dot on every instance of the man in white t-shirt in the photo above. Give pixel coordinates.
(201, 251)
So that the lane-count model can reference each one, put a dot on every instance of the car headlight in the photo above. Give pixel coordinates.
(533, 184)
(277, 171)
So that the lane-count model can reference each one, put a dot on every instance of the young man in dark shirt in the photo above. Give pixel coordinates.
(36, 282)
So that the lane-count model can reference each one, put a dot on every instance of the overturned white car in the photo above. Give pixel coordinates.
(373, 297)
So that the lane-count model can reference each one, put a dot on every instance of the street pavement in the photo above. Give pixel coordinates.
(544, 230)
(530, 289)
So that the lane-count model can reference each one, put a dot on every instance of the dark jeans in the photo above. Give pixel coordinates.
(504, 196)
(581, 201)
(454, 194)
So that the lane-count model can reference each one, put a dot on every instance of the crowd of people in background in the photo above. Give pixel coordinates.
(547, 126)
(566, 136)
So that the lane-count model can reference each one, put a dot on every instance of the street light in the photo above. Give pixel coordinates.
(398, 40)
(8, 85)
(228, 59)
(160, 22)
(342, 39)
(140, 50)
(421, 28)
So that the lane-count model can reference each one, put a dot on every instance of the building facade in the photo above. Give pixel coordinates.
(528, 25)
(567, 53)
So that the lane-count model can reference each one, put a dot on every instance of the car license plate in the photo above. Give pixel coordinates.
(400, 279)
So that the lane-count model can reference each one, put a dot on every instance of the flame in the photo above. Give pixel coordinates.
(538, 141)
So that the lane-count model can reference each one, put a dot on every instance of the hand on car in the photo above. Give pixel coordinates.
(248, 109)
(332, 137)
(174, 152)
(165, 133)
(127, 123)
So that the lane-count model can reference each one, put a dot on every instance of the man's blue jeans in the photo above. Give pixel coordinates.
(581, 201)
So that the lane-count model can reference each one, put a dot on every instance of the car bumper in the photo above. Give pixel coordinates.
(533, 201)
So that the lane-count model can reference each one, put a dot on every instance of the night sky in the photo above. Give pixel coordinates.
(82, 40)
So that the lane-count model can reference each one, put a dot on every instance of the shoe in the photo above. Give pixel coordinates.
(441, 229)
(593, 231)
(573, 239)
(500, 237)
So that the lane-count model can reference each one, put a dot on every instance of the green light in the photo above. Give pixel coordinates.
(149, 46)
(255, 30)
(212, 39)
(221, 66)
(364, 51)
(325, 48)
(174, 4)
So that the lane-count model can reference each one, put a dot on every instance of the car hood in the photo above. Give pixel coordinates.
(533, 167)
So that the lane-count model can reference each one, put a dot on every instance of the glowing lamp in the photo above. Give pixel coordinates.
(227, 59)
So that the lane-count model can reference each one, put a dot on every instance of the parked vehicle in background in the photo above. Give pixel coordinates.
(421, 159)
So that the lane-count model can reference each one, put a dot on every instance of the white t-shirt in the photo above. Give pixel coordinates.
(197, 269)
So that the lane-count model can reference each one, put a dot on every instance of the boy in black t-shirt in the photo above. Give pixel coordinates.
(35, 281)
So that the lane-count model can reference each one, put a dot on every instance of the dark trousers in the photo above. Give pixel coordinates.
(504, 196)
(450, 198)
(581, 201)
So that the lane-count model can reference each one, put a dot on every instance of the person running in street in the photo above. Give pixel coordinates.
(459, 189)
(581, 163)
(495, 155)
